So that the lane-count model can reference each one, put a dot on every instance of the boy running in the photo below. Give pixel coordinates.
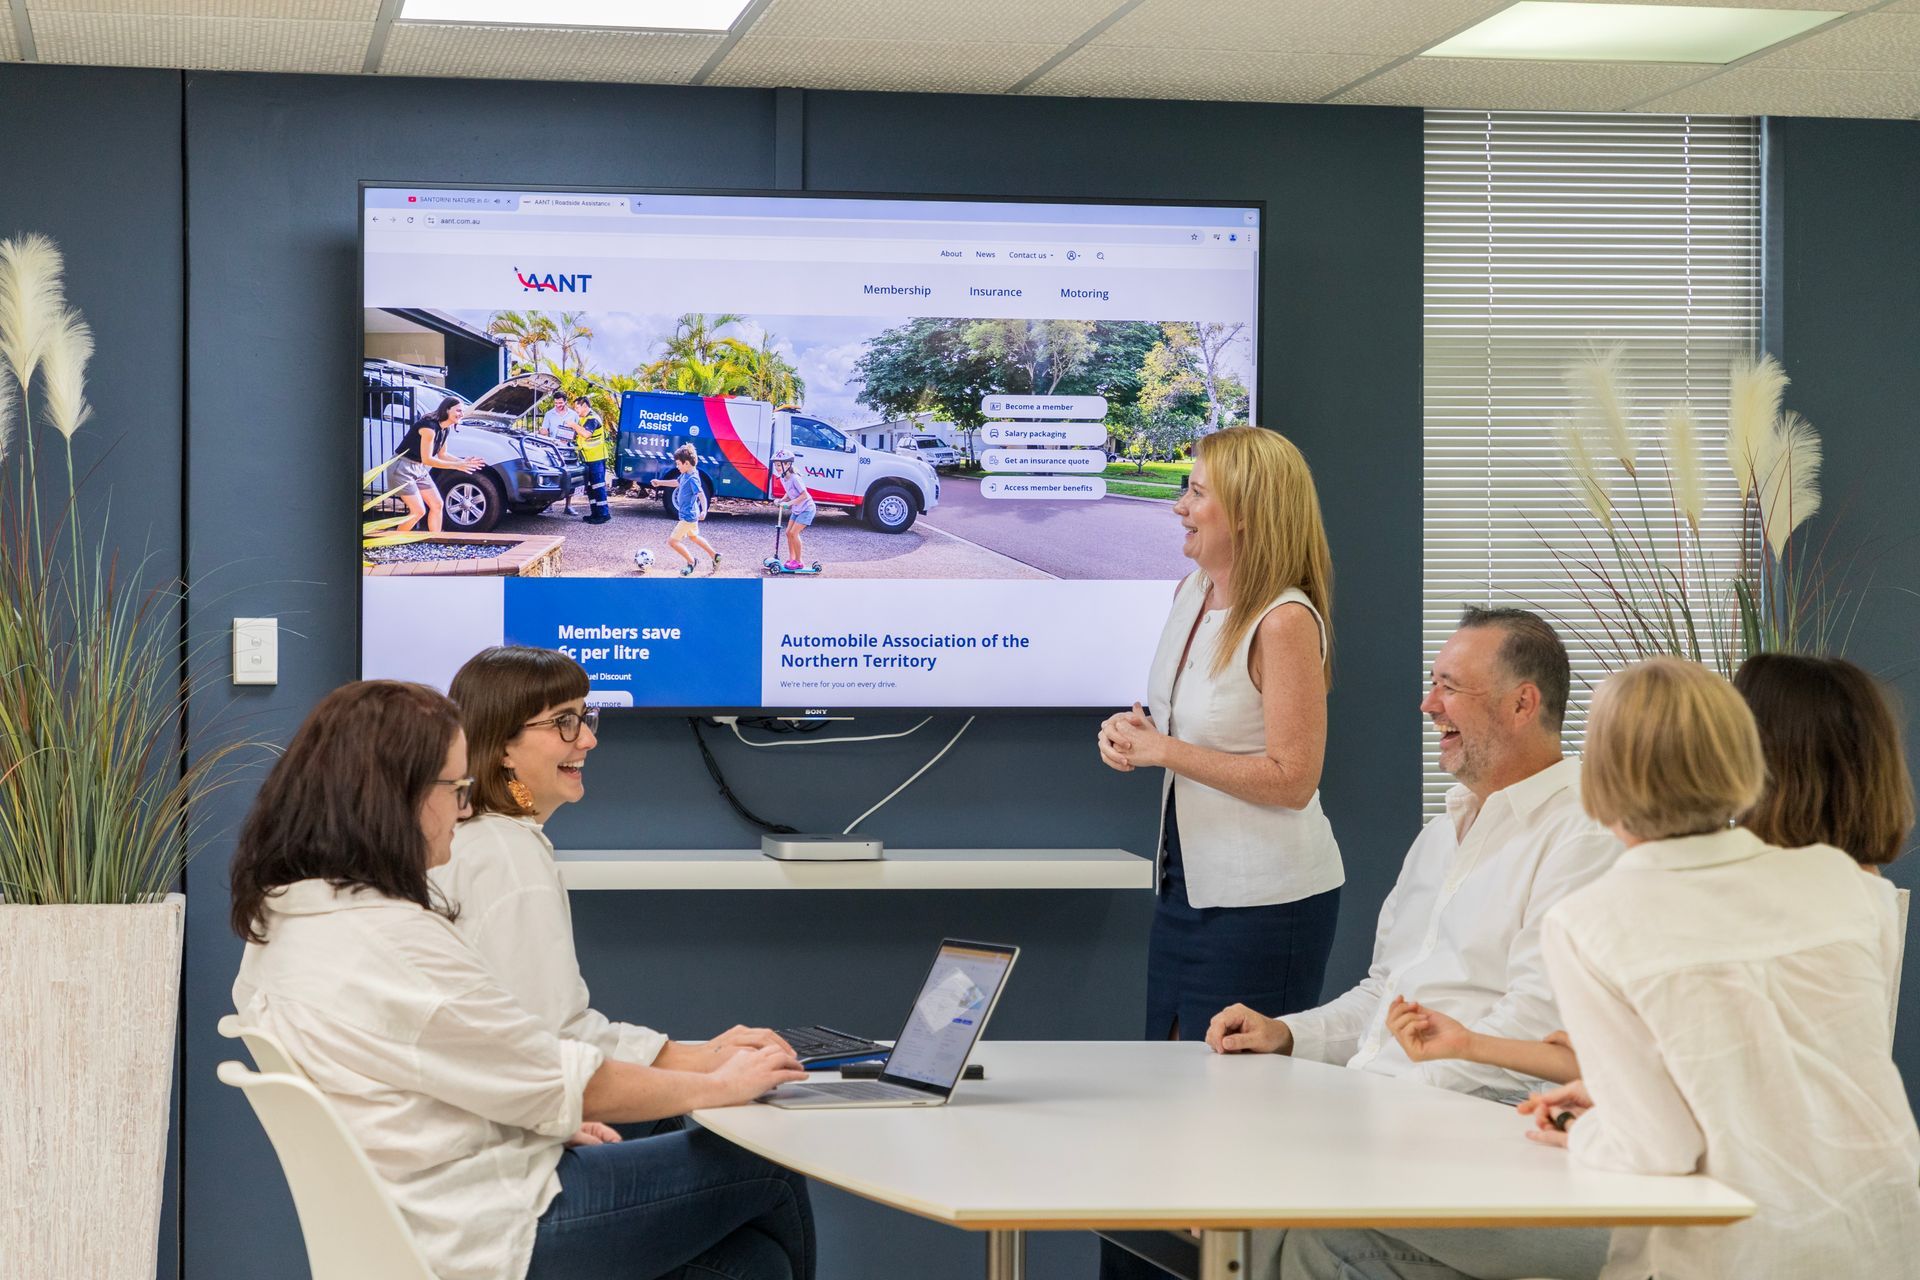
(690, 504)
(797, 504)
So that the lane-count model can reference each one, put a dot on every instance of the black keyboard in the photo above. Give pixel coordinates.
(815, 1043)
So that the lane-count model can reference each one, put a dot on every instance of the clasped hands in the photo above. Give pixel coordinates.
(1128, 740)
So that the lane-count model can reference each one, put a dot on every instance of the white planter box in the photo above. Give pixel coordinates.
(87, 1001)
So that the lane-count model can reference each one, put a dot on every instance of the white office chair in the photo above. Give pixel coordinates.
(352, 1228)
(269, 1054)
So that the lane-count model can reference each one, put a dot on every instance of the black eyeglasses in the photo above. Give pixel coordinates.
(462, 788)
(567, 723)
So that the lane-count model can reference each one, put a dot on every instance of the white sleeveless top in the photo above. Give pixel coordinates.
(1236, 853)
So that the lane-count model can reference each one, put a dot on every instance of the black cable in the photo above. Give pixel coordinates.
(726, 792)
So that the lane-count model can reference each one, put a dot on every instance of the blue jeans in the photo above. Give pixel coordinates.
(677, 1206)
(596, 481)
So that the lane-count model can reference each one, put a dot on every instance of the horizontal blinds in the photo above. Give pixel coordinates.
(1548, 238)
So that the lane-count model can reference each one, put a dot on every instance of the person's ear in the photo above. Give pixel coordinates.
(1526, 701)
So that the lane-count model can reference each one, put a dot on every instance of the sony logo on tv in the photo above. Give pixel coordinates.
(551, 282)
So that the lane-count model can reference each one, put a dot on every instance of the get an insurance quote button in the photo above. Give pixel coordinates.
(1046, 488)
(1089, 461)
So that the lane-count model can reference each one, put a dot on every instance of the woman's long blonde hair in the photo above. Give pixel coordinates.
(1265, 487)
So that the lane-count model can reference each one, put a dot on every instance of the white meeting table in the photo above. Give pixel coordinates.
(1079, 1136)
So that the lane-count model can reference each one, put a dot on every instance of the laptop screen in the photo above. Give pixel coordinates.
(950, 1013)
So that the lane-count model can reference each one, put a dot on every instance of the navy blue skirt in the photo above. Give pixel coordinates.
(1202, 959)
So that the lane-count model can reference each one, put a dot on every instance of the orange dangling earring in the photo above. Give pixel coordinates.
(522, 794)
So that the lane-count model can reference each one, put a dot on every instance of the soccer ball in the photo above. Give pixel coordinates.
(642, 559)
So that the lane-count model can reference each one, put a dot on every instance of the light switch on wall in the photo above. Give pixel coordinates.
(256, 651)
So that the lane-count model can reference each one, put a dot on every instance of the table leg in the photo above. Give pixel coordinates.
(1006, 1255)
(1223, 1255)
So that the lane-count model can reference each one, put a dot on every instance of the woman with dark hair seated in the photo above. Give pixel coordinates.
(465, 1103)
(529, 731)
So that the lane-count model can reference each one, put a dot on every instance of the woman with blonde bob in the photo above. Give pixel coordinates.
(1249, 876)
(1728, 999)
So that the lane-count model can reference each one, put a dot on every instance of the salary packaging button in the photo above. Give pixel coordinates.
(1005, 406)
(1074, 460)
(1055, 433)
(1052, 488)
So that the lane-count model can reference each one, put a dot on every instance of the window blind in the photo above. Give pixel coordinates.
(1550, 237)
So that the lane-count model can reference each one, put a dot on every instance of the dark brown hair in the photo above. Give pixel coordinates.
(343, 804)
(685, 453)
(1836, 770)
(1531, 652)
(498, 691)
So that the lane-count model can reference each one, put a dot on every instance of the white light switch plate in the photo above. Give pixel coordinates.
(256, 651)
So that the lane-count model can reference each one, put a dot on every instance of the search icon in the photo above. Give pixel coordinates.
(1101, 255)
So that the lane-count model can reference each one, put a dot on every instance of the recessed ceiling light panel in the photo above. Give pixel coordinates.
(644, 15)
(1549, 31)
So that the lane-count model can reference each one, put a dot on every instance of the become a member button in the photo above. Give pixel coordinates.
(1048, 488)
(1060, 434)
(1089, 461)
(997, 405)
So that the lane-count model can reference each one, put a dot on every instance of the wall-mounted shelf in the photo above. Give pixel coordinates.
(900, 869)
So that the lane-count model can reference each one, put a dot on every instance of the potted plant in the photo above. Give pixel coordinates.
(96, 793)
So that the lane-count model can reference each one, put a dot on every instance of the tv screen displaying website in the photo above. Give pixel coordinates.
(791, 455)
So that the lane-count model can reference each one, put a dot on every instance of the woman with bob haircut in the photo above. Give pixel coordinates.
(1248, 878)
(463, 1102)
(529, 731)
(1728, 998)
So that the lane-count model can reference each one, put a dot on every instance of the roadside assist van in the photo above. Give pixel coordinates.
(735, 436)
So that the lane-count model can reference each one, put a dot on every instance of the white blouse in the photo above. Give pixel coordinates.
(1235, 853)
(513, 910)
(1728, 1001)
(461, 1100)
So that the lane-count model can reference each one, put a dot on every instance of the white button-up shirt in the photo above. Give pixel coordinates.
(514, 912)
(461, 1100)
(1461, 931)
(1728, 1001)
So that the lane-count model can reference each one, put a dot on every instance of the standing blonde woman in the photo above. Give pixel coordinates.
(1729, 1002)
(1249, 873)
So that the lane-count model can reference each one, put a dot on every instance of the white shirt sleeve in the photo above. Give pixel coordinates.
(528, 934)
(1527, 1011)
(1331, 1032)
(1639, 1123)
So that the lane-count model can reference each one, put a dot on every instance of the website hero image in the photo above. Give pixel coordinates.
(750, 452)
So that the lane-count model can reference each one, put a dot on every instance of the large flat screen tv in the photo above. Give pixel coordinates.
(989, 403)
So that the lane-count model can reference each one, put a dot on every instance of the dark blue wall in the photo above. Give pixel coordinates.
(272, 165)
(1847, 249)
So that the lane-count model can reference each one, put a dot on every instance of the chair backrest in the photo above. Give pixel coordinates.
(268, 1053)
(353, 1229)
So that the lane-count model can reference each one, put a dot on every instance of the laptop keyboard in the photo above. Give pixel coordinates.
(825, 1042)
(859, 1090)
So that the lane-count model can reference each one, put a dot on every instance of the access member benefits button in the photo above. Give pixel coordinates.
(1054, 433)
(1087, 461)
(1050, 488)
(1005, 406)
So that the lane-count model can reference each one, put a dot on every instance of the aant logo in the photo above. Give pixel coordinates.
(549, 282)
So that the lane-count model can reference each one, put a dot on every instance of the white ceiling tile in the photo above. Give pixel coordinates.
(516, 53)
(1390, 27)
(202, 44)
(9, 47)
(1210, 74)
(1903, 6)
(1512, 85)
(296, 10)
(1871, 42)
(973, 21)
(1758, 90)
(898, 65)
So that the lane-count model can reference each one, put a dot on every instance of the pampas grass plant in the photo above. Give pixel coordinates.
(96, 791)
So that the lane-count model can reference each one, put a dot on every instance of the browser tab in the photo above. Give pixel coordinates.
(596, 206)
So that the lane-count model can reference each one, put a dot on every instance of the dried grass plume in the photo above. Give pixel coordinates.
(1684, 475)
(1595, 493)
(1753, 408)
(1788, 479)
(1602, 408)
(69, 345)
(31, 302)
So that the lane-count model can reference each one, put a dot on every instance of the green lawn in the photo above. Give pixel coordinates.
(1173, 473)
(1132, 489)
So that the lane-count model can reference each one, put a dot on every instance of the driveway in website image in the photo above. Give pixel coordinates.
(967, 536)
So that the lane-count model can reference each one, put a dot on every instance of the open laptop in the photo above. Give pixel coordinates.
(955, 1001)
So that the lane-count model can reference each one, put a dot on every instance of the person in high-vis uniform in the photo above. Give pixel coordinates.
(594, 441)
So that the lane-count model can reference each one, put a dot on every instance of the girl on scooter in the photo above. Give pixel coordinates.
(796, 503)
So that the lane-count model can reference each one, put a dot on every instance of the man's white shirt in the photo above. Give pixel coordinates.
(1461, 931)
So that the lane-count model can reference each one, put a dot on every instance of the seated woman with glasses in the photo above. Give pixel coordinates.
(464, 1102)
(529, 731)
